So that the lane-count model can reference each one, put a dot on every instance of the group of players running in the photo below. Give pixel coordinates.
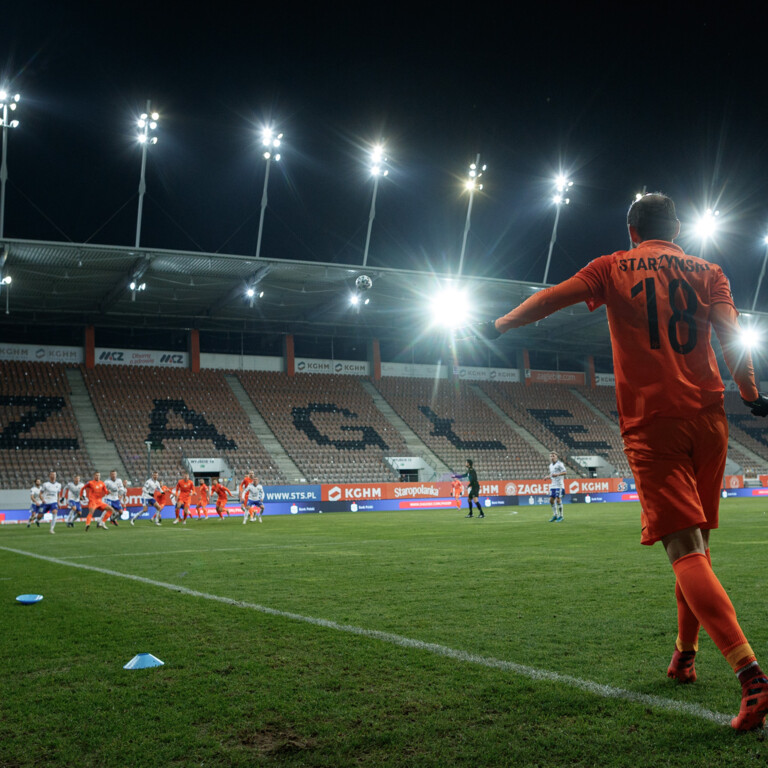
(105, 501)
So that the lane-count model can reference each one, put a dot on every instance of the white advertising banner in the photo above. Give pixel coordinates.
(41, 353)
(605, 380)
(226, 362)
(414, 370)
(343, 367)
(113, 356)
(469, 373)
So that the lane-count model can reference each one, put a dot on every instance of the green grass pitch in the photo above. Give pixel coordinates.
(534, 644)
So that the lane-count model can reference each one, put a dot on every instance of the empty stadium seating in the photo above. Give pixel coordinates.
(560, 420)
(456, 425)
(186, 415)
(328, 425)
(39, 429)
(749, 431)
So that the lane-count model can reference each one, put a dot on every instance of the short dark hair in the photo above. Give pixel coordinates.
(654, 217)
(469, 461)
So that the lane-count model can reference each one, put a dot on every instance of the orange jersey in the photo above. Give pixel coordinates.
(96, 491)
(457, 487)
(659, 301)
(202, 494)
(222, 492)
(163, 496)
(184, 490)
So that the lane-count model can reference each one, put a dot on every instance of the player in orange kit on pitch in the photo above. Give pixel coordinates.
(202, 500)
(457, 489)
(183, 493)
(96, 491)
(164, 496)
(662, 305)
(222, 493)
(243, 494)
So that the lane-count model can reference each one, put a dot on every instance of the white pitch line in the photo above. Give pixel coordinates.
(597, 689)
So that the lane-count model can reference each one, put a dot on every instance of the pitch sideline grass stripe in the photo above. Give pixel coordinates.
(597, 689)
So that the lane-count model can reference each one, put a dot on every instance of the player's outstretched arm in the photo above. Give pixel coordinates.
(537, 307)
(545, 303)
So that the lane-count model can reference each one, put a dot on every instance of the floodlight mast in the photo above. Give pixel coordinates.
(8, 103)
(762, 273)
(270, 142)
(562, 186)
(377, 171)
(146, 123)
(475, 172)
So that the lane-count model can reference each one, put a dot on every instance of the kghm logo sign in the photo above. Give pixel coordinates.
(114, 356)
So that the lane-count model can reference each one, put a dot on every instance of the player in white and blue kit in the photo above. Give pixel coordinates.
(36, 508)
(51, 493)
(115, 496)
(556, 487)
(151, 487)
(255, 491)
(72, 494)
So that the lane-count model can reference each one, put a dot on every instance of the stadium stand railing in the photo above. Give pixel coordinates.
(186, 415)
(39, 430)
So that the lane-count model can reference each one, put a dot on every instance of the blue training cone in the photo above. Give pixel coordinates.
(142, 661)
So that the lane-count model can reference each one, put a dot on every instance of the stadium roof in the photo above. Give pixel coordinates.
(83, 284)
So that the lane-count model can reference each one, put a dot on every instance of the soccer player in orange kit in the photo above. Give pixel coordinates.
(183, 493)
(662, 305)
(222, 493)
(457, 489)
(96, 491)
(202, 500)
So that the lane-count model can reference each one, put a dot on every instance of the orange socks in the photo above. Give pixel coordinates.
(709, 602)
(687, 623)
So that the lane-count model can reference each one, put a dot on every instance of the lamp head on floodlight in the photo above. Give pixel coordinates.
(707, 225)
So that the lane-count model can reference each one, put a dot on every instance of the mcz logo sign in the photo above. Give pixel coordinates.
(116, 357)
(174, 359)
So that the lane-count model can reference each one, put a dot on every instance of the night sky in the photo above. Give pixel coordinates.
(645, 96)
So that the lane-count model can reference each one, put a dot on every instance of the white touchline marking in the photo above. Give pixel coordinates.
(597, 689)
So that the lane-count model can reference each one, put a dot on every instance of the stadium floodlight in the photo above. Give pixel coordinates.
(471, 185)
(7, 280)
(147, 124)
(449, 308)
(8, 103)
(762, 272)
(562, 186)
(271, 141)
(749, 337)
(706, 226)
(378, 170)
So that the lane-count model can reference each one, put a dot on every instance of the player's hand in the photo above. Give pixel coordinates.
(758, 407)
(486, 330)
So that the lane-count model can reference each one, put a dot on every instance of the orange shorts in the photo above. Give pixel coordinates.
(94, 505)
(678, 466)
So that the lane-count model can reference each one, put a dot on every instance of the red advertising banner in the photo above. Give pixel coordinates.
(438, 490)
(735, 481)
